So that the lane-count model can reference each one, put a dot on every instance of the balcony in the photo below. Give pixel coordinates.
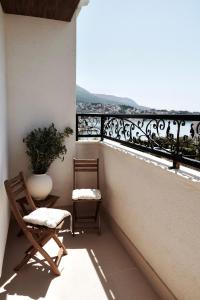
(149, 245)
(149, 179)
(150, 207)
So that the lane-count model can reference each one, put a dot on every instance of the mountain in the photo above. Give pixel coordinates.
(85, 96)
(88, 102)
(118, 100)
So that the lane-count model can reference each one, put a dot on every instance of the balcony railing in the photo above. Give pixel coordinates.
(175, 137)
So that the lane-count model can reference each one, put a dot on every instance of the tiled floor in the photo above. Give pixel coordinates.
(96, 268)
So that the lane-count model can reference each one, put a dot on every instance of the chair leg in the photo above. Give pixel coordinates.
(98, 217)
(60, 244)
(37, 247)
(46, 256)
(71, 223)
(97, 210)
(53, 265)
(99, 225)
(73, 218)
(42, 239)
(31, 251)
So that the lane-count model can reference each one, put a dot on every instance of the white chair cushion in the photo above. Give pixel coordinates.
(49, 217)
(86, 194)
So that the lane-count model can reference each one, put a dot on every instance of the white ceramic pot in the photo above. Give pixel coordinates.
(39, 186)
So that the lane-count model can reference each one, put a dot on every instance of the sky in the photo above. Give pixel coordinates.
(147, 50)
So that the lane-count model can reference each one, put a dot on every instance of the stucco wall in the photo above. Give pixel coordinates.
(158, 210)
(4, 210)
(160, 213)
(41, 89)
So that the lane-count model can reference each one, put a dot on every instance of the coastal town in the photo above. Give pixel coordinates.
(99, 108)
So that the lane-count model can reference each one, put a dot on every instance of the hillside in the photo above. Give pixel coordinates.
(88, 102)
(85, 96)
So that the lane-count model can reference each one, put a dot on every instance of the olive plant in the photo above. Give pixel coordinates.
(44, 145)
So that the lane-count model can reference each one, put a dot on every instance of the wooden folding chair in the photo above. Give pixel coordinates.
(37, 234)
(85, 196)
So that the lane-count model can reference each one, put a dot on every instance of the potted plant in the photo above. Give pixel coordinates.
(44, 145)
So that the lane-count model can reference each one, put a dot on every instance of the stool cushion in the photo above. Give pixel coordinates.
(49, 217)
(86, 194)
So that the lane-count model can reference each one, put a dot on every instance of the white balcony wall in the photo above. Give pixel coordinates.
(4, 210)
(158, 213)
(41, 62)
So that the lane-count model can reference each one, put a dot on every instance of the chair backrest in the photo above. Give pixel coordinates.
(16, 189)
(85, 165)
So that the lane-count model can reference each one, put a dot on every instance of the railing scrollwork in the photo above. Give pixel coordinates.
(176, 137)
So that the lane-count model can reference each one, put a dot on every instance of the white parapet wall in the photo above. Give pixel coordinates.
(4, 210)
(157, 211)
(41, 66)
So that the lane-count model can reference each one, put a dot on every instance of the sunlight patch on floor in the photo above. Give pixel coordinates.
(79, 270)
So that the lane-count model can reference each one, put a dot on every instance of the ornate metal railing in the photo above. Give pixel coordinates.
(176, 137)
